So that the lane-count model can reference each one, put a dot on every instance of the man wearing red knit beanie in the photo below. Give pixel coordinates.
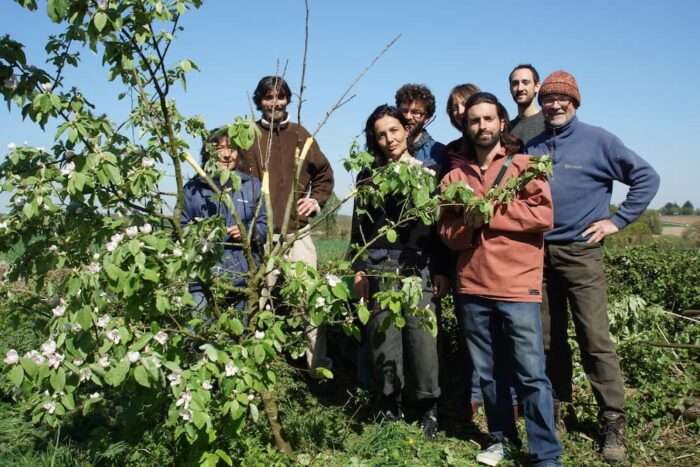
(587, 160)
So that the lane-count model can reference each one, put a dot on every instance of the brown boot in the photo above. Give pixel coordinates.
(612, 427)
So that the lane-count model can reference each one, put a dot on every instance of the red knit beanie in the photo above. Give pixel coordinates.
(560, 82)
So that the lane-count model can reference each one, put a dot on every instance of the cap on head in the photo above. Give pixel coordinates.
(560, 82)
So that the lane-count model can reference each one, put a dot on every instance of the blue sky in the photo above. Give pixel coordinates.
(636, 62)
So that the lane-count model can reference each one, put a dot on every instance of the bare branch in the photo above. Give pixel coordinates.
(303, 66)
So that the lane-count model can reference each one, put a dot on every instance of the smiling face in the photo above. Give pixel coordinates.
(391, 136)
(558, 109)
(523, 87)
(416, 113)
(227, 157)
(274, 106)
(483, 125)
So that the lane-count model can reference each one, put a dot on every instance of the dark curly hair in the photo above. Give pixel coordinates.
(512, 144)
(383, 110)
(465, 91)
(268, 84)
(413, 92)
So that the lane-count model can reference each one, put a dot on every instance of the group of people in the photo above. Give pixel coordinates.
(515, 277)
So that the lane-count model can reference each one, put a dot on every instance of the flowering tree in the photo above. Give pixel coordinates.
(106, 261)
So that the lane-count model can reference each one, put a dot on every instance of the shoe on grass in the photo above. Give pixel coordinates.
(429, 423)
(492, 455)
(613, 437)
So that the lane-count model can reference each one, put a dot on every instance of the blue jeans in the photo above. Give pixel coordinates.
(505, 342)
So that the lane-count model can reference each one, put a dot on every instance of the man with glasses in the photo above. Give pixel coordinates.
(587, 160)
(417, 104)
(524, 83)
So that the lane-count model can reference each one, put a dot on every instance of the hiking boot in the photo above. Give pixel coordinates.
(613, 437)
(492, 455)
(390, 410)
(429, 423)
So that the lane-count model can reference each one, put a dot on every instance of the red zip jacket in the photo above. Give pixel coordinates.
(504, 259)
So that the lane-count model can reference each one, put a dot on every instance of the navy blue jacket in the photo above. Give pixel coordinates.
(431, 153)
(201, 202)
(587, 159)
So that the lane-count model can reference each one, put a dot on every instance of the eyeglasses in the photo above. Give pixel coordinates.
(548, 101)
(413, 112)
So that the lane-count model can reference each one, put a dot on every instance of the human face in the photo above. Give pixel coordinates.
(392, 137)
(226, 155)
(484, 127)
(457, 112)
(523, 87)
(558, 109)
(274, 106)
(415, 113)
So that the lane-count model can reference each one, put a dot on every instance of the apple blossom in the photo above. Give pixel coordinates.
(94, 268)
(59, 310)
(146, 228)
(55, 360)
(147, 163)
(259, 335)
(161, 337)
(103, 361)
(320, 302)
(36, 357)
(12, 357)
(184, 400)
(114, 336)
(102, 321)
(132, 231)
(133, 357)
(49, 406)
(85, 374)
(332, 279)
(174, 379)
(68, 169)
(230, 369)
(186, 415)
(48, 347)
(206, 385)
(95, 395)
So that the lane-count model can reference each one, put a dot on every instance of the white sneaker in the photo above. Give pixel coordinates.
(492, 455)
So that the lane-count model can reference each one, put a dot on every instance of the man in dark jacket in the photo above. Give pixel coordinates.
(524, 82)
(587, 160)
(271, 158)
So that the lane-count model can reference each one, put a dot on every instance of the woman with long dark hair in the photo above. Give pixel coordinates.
(406, 353)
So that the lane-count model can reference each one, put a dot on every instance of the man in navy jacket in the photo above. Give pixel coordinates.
(587, 160)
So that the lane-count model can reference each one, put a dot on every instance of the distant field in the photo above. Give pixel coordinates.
(675, 225)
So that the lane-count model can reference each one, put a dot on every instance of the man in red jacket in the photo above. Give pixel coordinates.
(499, 283)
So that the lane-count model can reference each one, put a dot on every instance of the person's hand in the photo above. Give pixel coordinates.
(361, 284)
(307, 206)
(599, 230)
(441, 284)
(234, 232)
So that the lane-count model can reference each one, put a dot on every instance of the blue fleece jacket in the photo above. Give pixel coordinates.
(201, 202)
(587, 159)
(431, 153)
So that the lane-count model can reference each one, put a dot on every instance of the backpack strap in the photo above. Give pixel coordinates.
(502, 172)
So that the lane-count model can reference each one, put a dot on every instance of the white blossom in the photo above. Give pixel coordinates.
(53, 248)
(186, 415)
(184, 399)
(95, 395)
(78, 361)
(103, 361)
(75, 327)
(59, 310)
(114, 336)
(161, 337)
(117, 237)
(174, 379)
(36, 357)
(133, 357)
(132, 231)
(102, 321)
(147, 163)
(46, 87)
(11, 357)
(332, 279)
(230, 369)
(251, 396)
(3, 226)
(259, 335)
(111, 246)
(55, 360)
(146, 228)
(207, 385)
(68, 169)
(156, 362)
(85, 374)
(177, 252)
(205, 246)
(94, 268)
(49, 406)
(48, 347)
(320, 302)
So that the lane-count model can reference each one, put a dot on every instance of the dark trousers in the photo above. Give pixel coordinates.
(574, 276)
(406, 356)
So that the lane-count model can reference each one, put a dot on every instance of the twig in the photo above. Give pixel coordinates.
(303, 66)
(343, 97)
(673, 346)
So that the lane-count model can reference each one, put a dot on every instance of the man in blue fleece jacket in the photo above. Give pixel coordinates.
(587, 160)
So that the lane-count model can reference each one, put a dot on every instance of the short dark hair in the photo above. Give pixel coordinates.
(512, 144)
(269, 84)
(465, 91)
(213, 137)
(525, 66)
(384, 110)
(413, 92)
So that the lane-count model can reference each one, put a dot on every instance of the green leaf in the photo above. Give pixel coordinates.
(68, 401)
(210, 350)
(141, 376)
(150, 275)
(84, 318)
(340, 291)
(236, 326)
(100, 20)
(116, 375)
(186, 65)
(391, 235)
(58, 380)
(254, 412)
(224, 457)
(57, 9)
(259, 353)
(363, 313)
(16, 375)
